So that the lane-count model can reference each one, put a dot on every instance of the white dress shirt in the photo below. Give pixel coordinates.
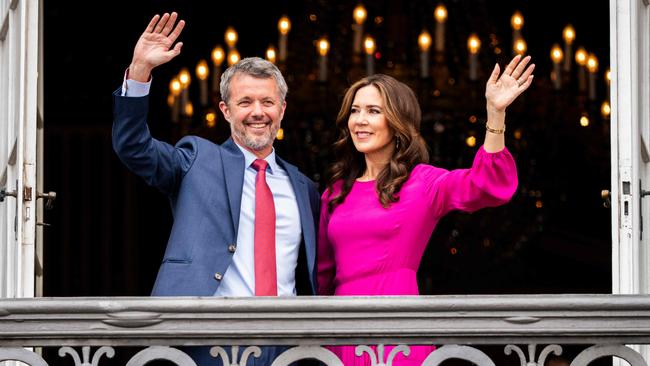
(239, 279)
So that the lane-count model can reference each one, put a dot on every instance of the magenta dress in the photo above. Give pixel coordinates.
(365, 249)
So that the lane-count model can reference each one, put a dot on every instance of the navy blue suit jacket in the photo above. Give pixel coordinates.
(204, 182)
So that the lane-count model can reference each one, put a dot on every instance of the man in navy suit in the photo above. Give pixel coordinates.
(213, 247)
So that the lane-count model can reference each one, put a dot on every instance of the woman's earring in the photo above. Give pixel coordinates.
(397, 143)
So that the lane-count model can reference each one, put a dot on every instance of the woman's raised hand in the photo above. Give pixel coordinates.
(154, 47)
(501, 91)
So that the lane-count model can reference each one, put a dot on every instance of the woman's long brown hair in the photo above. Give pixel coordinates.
(403, 114)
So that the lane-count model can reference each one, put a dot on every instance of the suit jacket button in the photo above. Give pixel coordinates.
(232, 248)
(218, 276)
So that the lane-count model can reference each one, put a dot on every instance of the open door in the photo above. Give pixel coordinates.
(630, 60)
(19, 90)
(630, 139)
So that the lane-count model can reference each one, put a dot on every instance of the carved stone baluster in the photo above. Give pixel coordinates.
(510, 348)
(85, 351)
(377, 359)
(152, 353)
(453, 351)
(218, 351)
(21, 355)
(532, 350)
(551, 348)
(595, 352)
(307, 353)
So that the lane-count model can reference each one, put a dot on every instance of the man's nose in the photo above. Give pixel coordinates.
(257, 109)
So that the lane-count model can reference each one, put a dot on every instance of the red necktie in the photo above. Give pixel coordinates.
(266, 283)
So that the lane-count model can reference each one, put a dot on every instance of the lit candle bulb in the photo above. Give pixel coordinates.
(569, 34)
(202, 74)
(605, 109)
(231, 37)
(470, 141)
(556, 76)
(233, 57)
(184, 77)
(592, 66)
(473, 45)
(359, 14)
(270, 54)
(174, 92)
(175, 87)
(520, 47)
(218, 56)
(189, 110)
(284, 26)
(440, 14)
(323, 49)
(517, 22)
(369, 45)
(424, 41)
(185, 80)
(581, 60)
(210, 119)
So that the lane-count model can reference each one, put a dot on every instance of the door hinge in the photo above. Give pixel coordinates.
(27, 194)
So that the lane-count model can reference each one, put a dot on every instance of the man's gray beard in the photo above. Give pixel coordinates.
(252, 143)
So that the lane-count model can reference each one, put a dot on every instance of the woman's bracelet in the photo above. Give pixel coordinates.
(498, 132)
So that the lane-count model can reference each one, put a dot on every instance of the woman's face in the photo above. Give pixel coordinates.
(368, 124)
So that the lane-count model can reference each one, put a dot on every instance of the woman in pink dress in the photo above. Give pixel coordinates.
(383, 200)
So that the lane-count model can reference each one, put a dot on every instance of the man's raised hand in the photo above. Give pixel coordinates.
(154, 47)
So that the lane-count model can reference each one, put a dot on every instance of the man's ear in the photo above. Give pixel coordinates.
(282, 108)
(225, 110)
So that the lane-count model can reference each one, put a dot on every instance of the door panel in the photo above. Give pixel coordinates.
(19, 53)
(643, 69)
(630, 129)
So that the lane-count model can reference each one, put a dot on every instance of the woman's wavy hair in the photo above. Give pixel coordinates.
(403, 114)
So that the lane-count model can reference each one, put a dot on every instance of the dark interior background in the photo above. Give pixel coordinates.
(109, 230)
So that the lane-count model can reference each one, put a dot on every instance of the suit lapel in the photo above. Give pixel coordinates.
(233, 171)
(301, 191)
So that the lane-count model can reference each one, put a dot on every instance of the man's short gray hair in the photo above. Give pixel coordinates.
(255, 67)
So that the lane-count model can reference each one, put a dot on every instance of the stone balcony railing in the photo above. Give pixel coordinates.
(456, 324)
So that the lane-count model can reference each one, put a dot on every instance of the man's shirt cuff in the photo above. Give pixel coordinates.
(134, 88)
